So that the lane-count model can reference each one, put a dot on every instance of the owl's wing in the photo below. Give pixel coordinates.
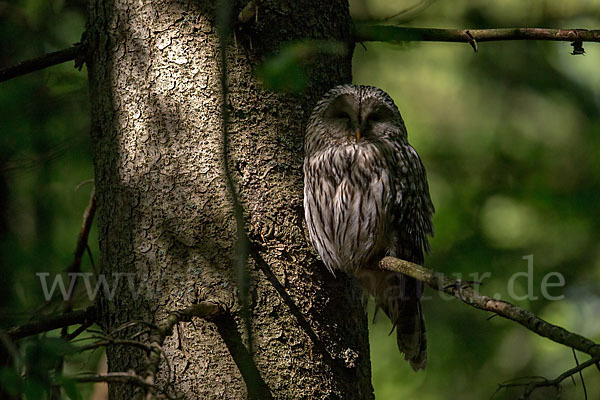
(413, 209)
(413, 223)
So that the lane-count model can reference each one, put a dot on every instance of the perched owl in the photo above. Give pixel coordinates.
(365, 197)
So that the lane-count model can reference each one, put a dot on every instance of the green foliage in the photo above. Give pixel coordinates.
(286, 71)
(32, 373)
(44, 154)
(70, 388)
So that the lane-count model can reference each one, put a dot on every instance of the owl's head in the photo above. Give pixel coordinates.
(351, 114)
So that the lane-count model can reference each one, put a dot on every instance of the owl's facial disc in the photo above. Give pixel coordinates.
(343, 118)
(351, 119)
(374, 118)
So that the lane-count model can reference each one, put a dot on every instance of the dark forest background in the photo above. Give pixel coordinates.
(510, 137)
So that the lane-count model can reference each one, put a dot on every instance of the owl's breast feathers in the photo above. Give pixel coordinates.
(349, 204)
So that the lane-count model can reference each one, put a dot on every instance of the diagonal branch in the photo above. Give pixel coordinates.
(50, 323)
(466, 294)
(242, 243)
(411, 11)
(249, 12)
(108, 341)
(389, 33)
(158, 335)
(45, 61)
(542, 382)
(84, 232)
(75, 267)
(81, 246)
(124, 378)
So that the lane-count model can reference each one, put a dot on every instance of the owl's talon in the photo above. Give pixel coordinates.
(455, 285)
(458, 287)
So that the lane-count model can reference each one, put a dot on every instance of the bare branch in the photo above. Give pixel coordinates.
(205, 309)
(466, 294)
(82, 241)
(82, 328)
(45, 61)
(158, 335)
(542, 382)
(411, 11)
(50, 323)
(84, 232)
(242, 243)
(125, 378)
(75, 267)
(249, 12)
(108, 341)
(389, 33)
(153, 347)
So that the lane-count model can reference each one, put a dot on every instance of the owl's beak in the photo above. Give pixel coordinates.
(358, 135)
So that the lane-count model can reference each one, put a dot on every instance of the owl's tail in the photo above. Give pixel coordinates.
(399, 297)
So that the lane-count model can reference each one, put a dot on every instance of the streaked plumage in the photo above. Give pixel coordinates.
(365, 197)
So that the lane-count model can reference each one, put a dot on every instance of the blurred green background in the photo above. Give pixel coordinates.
(510, 137)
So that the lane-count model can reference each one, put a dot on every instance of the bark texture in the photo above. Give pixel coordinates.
(164, 214)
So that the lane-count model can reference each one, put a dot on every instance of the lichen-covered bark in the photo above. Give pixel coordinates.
(165, 215)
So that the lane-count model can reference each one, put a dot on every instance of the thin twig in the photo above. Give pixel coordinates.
(84, 232)
(45, 61)
(83, 183)
(81, 245)
(164, 329)
(114, 342)
(91, 258)
(580, 375)
(50, 323)
(75, 267)
(389, 33)
(543, 382)
(242, 242)
(125, 378)
(8, 343)
(129, 324)
(466, 294)
(249, 12)
(411, 10)
(293, 308)
(82, 328)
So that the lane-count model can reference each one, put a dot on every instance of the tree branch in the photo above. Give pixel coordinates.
(531, 386)
(108, 341)
(84, 232)
(242, 243)
(410, 11)
(75, 267)
(125, 378)
(50, 323)
(45, 61)
(82, 244)
(388, 33)
(158, 335)
(362, 33)
(249, 12)
(466, 294)
(203, 309)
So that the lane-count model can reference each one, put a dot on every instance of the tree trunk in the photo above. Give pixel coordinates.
(165, 214)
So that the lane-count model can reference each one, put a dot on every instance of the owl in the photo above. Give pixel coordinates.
(366, 197)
